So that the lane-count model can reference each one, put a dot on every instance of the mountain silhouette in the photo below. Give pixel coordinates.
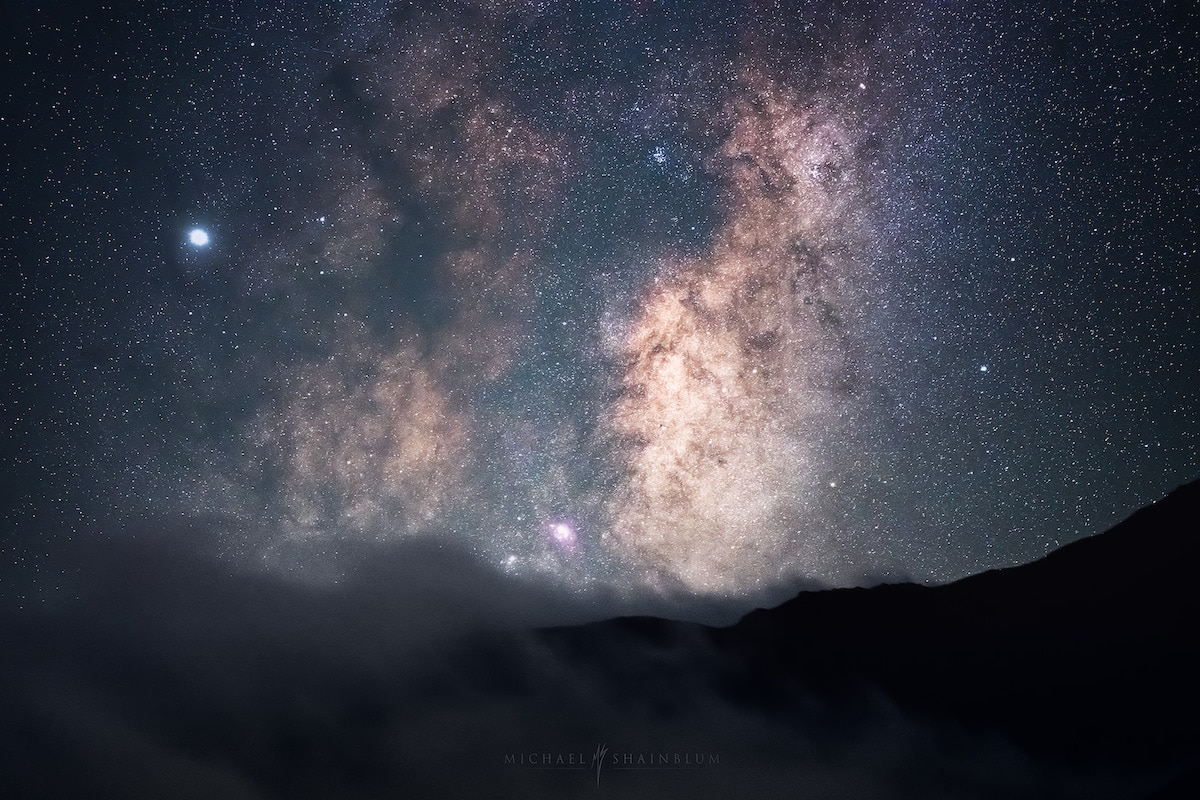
(163, 673)
(1088, 653)
(1087, 657)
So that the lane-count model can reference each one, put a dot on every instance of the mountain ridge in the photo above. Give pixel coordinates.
(164, 674)
(1067, 655)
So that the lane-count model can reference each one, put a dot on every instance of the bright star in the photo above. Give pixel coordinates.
(198, 237)
(983, 367)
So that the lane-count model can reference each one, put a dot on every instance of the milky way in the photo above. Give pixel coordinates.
(739, 381)
(676, 406)
(723, 378)
(617, 294)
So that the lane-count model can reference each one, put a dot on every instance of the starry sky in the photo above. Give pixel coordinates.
(684, 297)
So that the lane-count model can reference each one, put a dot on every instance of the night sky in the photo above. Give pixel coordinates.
(617, 295)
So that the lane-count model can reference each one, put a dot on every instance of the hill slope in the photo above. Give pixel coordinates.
(161, 673)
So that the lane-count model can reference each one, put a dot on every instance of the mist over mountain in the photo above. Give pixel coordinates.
(163, 673)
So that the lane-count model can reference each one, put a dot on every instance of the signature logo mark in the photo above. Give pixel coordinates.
(598, 761)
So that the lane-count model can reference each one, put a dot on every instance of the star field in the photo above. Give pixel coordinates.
(705, 297)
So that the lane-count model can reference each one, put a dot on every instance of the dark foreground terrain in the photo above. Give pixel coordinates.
(157, 673)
